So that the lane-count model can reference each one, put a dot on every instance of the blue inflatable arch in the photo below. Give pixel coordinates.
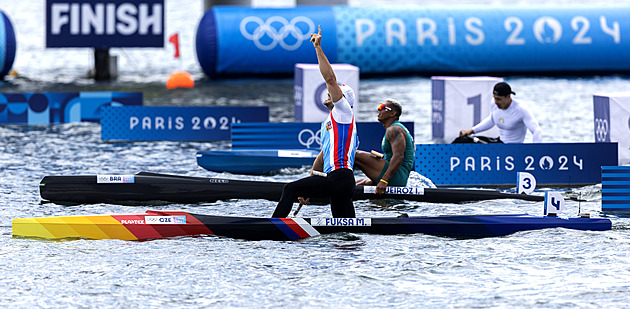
(472, 40)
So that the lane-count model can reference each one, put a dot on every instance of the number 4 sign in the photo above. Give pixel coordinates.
(554, 203)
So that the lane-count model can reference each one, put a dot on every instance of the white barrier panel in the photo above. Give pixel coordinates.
(612, 121)
(460, 103)
(309, 90)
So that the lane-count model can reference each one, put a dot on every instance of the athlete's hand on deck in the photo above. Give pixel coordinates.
(465, 132)
(303, 200)
(380, 188)
(316, 38)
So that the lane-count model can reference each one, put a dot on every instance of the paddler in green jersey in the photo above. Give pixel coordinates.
(393, 169)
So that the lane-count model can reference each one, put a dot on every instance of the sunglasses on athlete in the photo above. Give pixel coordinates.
(384, 107)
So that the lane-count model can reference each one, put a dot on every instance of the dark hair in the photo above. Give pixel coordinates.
(395, 106)
(503, 89)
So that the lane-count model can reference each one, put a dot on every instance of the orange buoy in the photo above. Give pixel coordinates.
(180, 79)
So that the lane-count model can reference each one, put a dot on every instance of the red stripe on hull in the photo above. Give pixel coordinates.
(295, 227)
(136, 224)
(193, 225)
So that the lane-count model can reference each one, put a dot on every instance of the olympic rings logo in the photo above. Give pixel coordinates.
(277, 35)
(320, 97)
(601, 129)
(312, 138)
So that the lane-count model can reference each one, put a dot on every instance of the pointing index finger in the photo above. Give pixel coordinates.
(320, 29)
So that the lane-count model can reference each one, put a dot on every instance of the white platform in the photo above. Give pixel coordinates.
(612, 121)
(310, 90)
(459, 103)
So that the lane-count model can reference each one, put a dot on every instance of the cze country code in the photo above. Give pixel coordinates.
(165, 219)
(179, 123)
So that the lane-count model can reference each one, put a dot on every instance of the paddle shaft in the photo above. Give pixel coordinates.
(297, 210)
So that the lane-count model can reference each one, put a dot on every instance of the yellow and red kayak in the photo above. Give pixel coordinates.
(161, 224)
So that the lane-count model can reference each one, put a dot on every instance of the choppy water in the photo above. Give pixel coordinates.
(551, 268)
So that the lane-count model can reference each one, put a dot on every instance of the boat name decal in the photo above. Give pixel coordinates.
(165, 219)
(295, 154)
(396, 190)
(115, 179)
(341, 221)
(132, 221)
(212, 180)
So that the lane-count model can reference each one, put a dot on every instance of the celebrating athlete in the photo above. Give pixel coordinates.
(336, 159)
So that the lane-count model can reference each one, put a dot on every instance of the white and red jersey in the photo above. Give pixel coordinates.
(339, 137)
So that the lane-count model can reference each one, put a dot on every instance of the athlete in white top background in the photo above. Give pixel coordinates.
(512, 118)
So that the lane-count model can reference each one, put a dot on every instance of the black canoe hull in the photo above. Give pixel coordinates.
(184, 189)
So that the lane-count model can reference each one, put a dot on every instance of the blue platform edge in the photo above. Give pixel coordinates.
(553, 164)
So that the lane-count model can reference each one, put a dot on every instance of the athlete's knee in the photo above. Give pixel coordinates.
(290, 187)
(364, 182)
